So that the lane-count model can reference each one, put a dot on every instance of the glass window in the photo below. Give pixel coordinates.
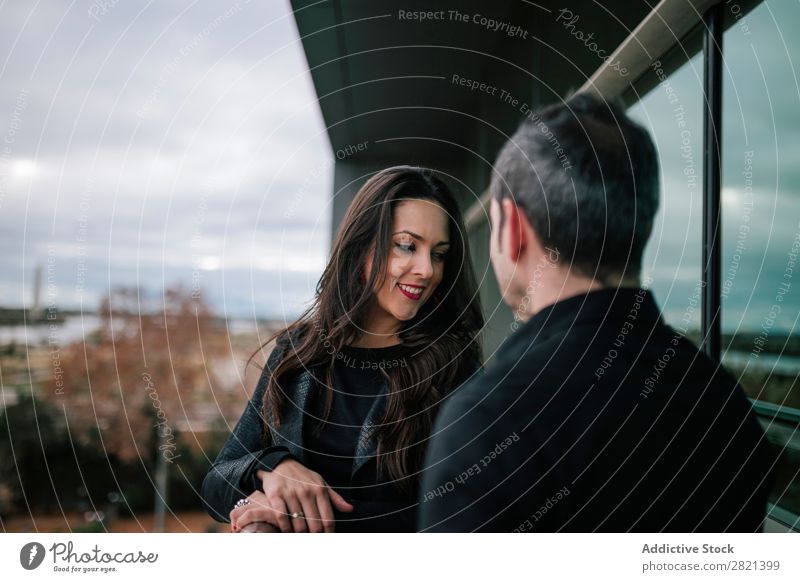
(761, 222)
(673, 113)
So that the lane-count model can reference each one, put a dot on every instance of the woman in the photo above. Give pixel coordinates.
(350, 390)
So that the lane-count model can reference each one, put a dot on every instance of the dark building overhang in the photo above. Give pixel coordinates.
(389, 78)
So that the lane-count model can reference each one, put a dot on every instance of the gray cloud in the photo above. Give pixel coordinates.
(167, 136)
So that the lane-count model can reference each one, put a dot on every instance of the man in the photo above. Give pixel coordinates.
(594, 415)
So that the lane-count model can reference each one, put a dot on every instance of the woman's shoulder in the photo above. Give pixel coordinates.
(285, 341)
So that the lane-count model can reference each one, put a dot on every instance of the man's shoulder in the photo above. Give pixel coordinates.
(475, 416)
(503, 386)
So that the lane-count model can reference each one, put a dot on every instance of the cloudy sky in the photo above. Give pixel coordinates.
(149, 144)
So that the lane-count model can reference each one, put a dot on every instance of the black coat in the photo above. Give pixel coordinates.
(233, 474)
(596, 416)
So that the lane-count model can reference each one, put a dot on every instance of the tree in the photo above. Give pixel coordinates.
(150, 365)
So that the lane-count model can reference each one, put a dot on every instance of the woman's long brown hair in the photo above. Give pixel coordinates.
(442, 338)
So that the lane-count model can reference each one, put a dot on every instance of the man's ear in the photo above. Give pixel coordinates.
(515, 235)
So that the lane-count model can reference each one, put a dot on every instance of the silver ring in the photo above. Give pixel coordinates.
(298, 515)
(241, 502)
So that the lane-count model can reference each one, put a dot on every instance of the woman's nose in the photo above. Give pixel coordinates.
(423, 267)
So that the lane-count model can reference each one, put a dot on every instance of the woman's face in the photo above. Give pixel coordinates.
(419, 247)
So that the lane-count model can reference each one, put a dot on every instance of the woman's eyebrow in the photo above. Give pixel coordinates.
(421, 238)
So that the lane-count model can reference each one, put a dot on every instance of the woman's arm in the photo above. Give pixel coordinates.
(233, 474)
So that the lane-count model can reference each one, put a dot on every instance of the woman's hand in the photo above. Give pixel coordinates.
(259, 527)
(291, 488)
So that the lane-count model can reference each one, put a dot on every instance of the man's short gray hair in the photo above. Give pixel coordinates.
(586, 176)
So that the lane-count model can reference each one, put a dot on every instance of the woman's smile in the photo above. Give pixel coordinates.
(413, 292)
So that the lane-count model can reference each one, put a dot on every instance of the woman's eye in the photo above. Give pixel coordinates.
(406, 248)
(439, 257)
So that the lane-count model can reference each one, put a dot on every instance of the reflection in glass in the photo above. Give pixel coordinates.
(672, 112)
(761, 224)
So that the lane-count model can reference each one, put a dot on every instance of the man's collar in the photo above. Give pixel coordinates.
(616, 304)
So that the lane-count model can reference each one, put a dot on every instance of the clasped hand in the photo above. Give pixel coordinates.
(291, 489)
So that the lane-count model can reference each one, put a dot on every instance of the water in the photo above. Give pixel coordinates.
(783, 365)
(74, 328)
(69, 330)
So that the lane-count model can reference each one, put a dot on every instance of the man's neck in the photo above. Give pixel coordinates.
(558, 284)
(547, 296)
